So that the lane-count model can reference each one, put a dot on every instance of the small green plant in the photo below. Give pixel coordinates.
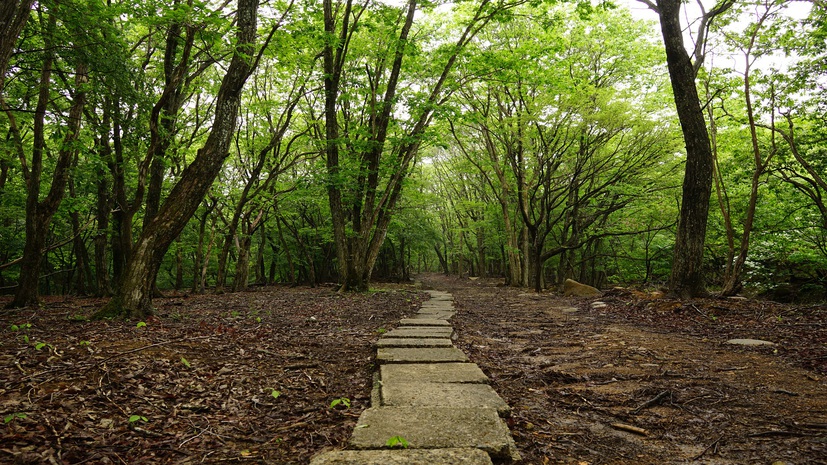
(381, 331)
(397, 441)
(41, 345)
(275, 393)
(186, 362)
(136, 418)
(780, 318)
(235, 314)
(21, 328)
(258, 319)
(340, 401)
(84, 343)
(13, 416)
(141, 324)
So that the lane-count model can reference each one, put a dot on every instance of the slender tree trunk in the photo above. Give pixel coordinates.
(39, 212)
(687, 279)
(13, 16)
(134, 295)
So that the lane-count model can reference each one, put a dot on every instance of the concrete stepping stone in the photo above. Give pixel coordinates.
(433, 373)
(417, 394)
(424, 322)
(750, 342)
(403, 457)
(433, 316)
(413, 342)
(429, 332)
(437, 310)
(435, 428)
(417, 355)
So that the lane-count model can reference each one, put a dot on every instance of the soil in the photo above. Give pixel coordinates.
(253, 376)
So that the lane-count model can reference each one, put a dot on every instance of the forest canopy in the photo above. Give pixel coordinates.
(210, 146)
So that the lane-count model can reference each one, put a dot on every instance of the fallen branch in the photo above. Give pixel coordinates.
(652, 402)
(713, 446)
(630, 429)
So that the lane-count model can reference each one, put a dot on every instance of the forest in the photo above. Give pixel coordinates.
(210, 146)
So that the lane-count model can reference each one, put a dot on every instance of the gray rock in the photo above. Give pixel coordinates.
(573, 288)
(421, 332)
(403, 457)
(418, 394)
(413, 342)
(429, 355)
(433, 373)
(423, 322)
(750, 342)
(435, 428)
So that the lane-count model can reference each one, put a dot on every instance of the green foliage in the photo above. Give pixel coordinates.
(137, 418)
(14, 416)
(343, 401)
(397, 441)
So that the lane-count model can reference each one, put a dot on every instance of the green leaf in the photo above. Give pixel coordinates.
(342, 400)
(397, 441)
(185, 362)
(13, 416)
(134, 418)
(275, 393)
(140, 324)
(40, 345)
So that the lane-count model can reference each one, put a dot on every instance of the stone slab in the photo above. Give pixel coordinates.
(750, 342)
(433, 373)
(428, 333)
(424, 322)
(417, 355)
(437, 310)
(417, 394)
(433, 316)
(464, 456)
(413, 342)
(435, 428)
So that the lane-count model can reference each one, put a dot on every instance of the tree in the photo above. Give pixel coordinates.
(687, 279)
(39, 212)
(133, 298)
(369, 150)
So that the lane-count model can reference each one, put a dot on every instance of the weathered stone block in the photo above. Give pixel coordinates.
(435, 428)
(403, 457)
(425, 355)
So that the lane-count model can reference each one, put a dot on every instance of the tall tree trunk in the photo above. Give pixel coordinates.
(687, 278)
(733, 285)
(134, 295)
(39, 212)
(13, 16)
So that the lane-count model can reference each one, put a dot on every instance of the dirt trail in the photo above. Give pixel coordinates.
(587, 387)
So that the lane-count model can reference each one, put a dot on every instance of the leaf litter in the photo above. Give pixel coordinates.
(278, 374)
(195, 384)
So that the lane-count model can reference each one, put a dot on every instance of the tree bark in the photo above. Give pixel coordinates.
(13, 16)
(39, 213)
(134, 295)
(687, 278)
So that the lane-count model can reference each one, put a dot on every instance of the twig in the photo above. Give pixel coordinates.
(784, 391)
(775, 432)
(714, 444)
(630, 428)
(653, 401)
(144, 348)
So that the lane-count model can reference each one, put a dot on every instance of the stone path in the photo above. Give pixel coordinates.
(428, 395)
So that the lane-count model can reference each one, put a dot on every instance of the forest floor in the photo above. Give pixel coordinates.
(251, 376)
